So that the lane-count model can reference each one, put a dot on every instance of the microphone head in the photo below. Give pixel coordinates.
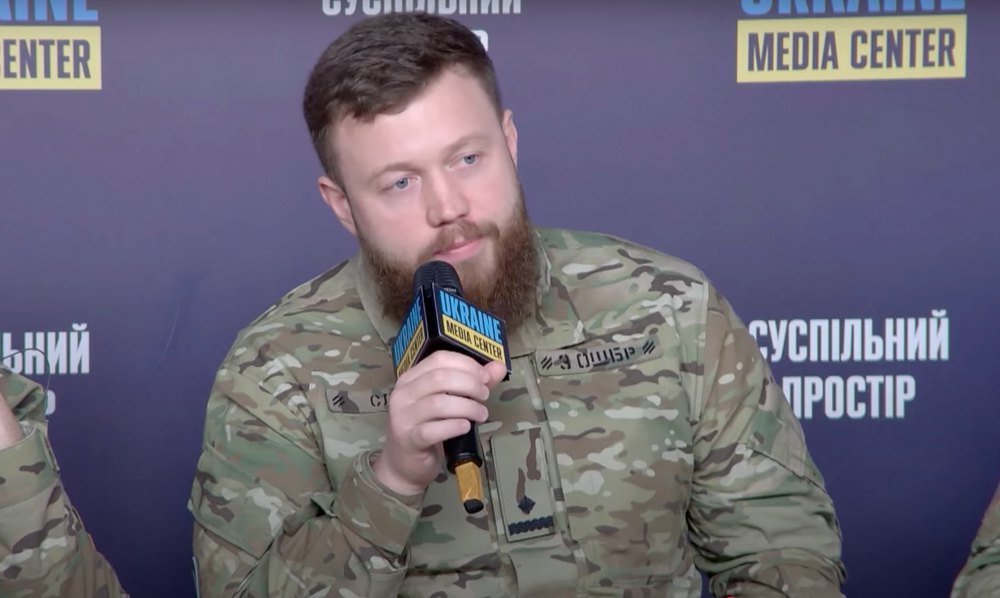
(442, 273)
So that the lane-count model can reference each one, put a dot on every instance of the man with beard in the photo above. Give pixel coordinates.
(44, 548)
(639, 439)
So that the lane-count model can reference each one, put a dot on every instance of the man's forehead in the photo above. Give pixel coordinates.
(455, 84)
(428, 125)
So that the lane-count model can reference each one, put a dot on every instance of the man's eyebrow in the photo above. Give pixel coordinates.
(464, 140)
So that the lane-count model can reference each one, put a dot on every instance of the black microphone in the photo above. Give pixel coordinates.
(441, 319)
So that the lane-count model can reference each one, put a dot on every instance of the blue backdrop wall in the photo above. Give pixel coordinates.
(852, 223)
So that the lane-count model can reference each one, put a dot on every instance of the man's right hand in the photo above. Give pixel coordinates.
(433, 401)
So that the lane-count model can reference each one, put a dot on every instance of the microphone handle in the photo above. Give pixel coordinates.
(464, 460)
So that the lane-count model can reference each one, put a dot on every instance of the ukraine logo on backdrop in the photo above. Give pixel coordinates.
(850, 40)
(49, 44)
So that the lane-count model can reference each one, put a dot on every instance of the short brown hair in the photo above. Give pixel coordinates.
(380, 64)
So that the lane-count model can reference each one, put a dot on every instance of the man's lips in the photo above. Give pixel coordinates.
(460, 249)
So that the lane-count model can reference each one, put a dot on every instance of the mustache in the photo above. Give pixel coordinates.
(465, 230)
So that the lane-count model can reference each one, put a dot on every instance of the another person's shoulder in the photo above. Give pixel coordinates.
(325, 311)
(15, 386)
(609, 270)
(981, 574)
(25, 397)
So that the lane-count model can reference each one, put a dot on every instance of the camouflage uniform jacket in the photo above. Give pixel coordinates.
(981, 574)
(44, 549)
(639, 438)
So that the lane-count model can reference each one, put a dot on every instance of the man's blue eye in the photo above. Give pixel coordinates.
(401, 184)
(470, 159)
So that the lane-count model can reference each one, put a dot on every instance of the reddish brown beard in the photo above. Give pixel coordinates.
(508, 292)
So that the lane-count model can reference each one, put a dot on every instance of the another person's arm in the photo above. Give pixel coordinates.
(981, 574)
(44, 548)
(760, 518)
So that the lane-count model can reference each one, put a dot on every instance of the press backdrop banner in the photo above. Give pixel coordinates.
(832, 166)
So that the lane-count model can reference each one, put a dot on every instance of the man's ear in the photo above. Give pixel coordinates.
(510, 134)
(335, 197)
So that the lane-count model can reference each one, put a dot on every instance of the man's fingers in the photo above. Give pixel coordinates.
(449, 381)
(442, 359)
(446, 406)
(435, 432)
(495, 372)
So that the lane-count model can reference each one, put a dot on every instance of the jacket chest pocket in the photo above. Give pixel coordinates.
(353, 422)
(623, 447)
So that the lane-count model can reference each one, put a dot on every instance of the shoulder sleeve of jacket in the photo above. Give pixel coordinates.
(44, 548)
(25, 398)
(760, 518)
(981, 574)
(269, 520)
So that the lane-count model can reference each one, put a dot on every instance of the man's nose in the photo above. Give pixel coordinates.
(446, 201)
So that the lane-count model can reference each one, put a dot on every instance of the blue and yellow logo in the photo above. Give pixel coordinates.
(470, 327)
(49, 44)
(850, 40)
(411, 338)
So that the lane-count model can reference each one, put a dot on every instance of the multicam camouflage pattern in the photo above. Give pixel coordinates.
(44, 549)
(981, 575)
(639, 438)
